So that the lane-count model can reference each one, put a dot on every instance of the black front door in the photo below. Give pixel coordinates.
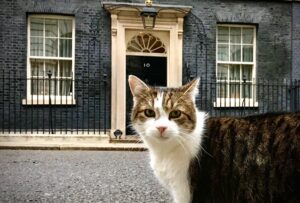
(152, 70)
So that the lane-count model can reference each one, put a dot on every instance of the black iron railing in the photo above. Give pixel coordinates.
(233, 97)
(80, 105)
(52, 105)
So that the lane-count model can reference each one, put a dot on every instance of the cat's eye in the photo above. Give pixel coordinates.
(149, 113)
(174, 114)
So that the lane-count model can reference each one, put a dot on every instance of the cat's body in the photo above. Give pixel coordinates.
(251, 159)
(201, 159)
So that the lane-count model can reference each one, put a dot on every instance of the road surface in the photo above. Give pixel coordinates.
(78, 176)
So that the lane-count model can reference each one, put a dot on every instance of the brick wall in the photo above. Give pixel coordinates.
(274, 49)
(296, 41)
(273, 21)
(277, 54)
(92, 60)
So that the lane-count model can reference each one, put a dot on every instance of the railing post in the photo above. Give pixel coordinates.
(105, 86)
(244, 95)
(297, 101)
(49, 73)
(291, 93)
(295, 96)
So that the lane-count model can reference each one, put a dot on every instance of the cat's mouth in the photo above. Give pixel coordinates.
(162, 137)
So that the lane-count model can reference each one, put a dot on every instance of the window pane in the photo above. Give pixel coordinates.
(65, 28)
(222, 72)
(36, 46)
(37, 86)
(247, 72)
(248, 35)
(65, 48)
(51, 47)
(248, 53)
(52, 87)
(223, 34)
(65, 68)
(246, 89)
(51, 28)
(66, 87)
(37, 67)
(235, 53)
(234, 71)
(223, 52)
(36, 27)
(235, 35)
(234, 90)
(157, 47)
(51, 65)
(222, 90)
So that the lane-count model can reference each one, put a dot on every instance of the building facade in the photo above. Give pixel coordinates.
(64, 63)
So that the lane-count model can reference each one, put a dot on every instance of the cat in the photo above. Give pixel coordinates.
(202, 159)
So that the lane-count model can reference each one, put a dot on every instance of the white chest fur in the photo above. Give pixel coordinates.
(170, 162)
(172, 172)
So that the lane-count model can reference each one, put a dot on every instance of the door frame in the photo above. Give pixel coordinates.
(124, 19)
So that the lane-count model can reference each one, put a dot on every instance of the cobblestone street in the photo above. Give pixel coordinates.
(78, 176)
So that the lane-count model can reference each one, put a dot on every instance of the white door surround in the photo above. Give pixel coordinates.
(125, 23)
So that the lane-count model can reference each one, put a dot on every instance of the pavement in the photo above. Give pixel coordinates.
(69, 142)
(78, 177)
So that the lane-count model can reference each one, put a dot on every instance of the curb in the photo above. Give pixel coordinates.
(72, 148)
(92, 143)
(66, 147)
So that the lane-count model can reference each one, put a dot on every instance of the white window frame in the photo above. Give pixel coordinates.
(44, 99)
(228, 101)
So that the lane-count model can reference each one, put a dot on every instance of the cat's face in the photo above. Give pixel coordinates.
(163, 113)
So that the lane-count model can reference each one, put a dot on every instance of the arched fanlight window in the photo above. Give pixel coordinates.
(146, 43)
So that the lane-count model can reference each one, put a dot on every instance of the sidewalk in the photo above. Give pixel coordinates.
(67, 142)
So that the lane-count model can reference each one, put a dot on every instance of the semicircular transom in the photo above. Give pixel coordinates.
(146, 43)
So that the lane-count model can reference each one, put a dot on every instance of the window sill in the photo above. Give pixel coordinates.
(56, 102)
(235, 103)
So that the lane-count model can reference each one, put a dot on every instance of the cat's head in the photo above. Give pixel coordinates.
(161, 113)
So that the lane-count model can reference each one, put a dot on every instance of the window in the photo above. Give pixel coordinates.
(235, 65)
(146, 43)
(50, 48)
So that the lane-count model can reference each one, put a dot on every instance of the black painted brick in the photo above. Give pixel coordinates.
(277, 53)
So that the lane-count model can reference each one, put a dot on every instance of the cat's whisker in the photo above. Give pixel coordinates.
(195, 156)
(182, 145)
(182, 140)
(185, 136)
(206, 151)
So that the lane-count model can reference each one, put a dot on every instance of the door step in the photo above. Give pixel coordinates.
(127, 139)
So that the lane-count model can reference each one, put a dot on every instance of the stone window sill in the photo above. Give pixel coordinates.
(56, 101)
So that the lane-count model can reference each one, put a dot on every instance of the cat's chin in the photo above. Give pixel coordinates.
(162, 138)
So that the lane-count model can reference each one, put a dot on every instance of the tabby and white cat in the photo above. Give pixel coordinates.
(201, 159)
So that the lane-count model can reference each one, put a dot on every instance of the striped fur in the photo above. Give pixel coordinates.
(251, 159)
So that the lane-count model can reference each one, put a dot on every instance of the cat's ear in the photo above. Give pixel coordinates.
(136, 85)
(191, 88)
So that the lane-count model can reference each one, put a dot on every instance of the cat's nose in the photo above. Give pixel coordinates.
(161, 129)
